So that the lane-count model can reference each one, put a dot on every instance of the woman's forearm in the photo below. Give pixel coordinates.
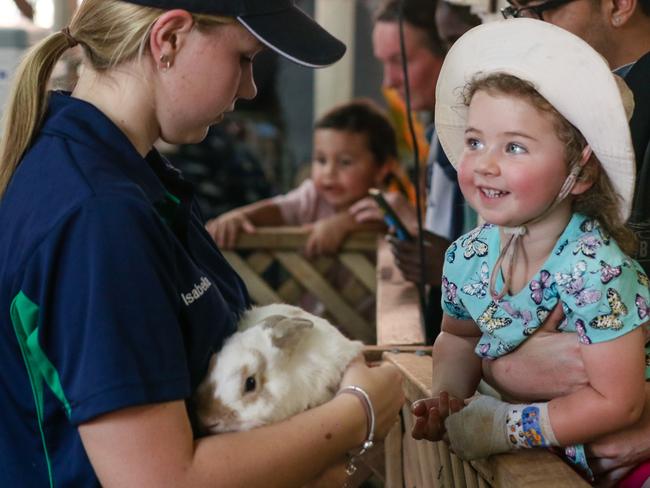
(152, 446)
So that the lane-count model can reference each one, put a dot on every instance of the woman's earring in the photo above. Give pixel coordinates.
(165, 62)
(616, 20)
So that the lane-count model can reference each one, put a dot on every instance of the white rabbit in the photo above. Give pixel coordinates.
(281, 361)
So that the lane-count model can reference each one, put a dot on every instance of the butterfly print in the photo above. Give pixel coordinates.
(542, 314)
(590, 225)
(608, 273)
(451, 253)
(478, 288)
(526, 315)
(643, 279)
(483, 349)
(473, 245)
(450, 290)
(538, 287)
(587, 245)
(642, 307)
(452, 303)
(582, 332)
(574, 285)
(611, 320)
(456, 310)
(489, 322)
(561, 247)
(503, 349)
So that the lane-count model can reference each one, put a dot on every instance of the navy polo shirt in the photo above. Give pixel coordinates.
(111, 292)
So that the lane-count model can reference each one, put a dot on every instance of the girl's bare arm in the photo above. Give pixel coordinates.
(615, 396)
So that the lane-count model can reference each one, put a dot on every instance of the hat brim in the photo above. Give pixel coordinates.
(563, 68)
(295, 36)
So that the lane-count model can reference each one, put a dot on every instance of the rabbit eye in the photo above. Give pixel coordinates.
(250, 384)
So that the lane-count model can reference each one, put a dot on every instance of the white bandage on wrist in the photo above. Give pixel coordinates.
(488, 426)
(529, 426)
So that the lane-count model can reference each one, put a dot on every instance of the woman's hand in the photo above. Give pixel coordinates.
(226, 228)
(383, 384)
(558, 367)
(430, 415)
(613, 456)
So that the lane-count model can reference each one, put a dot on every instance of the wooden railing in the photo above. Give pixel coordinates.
(277, 251)
(422, 464)
(399, 338)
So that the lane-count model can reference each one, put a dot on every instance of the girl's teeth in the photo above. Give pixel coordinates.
(492, 193)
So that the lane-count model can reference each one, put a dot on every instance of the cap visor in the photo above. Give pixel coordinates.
(295, 36)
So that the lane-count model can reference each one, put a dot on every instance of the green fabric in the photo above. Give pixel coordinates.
(24, 317)
(168, 208)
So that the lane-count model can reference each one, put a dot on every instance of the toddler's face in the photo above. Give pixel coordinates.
(513, 165)
(343, 168)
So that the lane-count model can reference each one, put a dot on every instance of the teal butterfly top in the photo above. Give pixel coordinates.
(604, 293)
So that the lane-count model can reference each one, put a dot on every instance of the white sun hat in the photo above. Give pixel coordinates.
(563, 68)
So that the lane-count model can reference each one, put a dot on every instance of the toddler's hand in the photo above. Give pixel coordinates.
(326, 237)
(430, 415)
(366, 210)
(225, 228)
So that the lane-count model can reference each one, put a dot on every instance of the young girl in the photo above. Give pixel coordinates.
(354, 150)
(543, 153)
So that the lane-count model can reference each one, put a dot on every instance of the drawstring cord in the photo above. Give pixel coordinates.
(509, 251)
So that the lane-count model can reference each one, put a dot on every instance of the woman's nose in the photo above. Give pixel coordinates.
(247, 87)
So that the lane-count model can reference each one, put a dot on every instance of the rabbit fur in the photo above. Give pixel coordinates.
(281, 361)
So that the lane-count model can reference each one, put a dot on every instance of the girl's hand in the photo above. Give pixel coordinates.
(326, 236)
(383, 384)
(226, 228)
(430, 415)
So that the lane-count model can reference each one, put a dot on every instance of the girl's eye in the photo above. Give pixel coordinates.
(319, 160)
(515, 148)
(473, 144)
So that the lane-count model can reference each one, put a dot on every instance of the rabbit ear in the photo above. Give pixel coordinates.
(286, 332)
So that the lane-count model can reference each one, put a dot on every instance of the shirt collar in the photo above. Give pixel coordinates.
(81, 121)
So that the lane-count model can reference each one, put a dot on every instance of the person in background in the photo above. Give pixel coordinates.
(354, 150)
(619, 31)
(446, 216)
(112, 295)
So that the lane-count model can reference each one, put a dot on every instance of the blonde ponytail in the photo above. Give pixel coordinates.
(27, 103)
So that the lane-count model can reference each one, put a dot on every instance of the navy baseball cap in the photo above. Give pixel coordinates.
(278, 24)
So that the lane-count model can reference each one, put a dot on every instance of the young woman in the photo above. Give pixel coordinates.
(113, 295)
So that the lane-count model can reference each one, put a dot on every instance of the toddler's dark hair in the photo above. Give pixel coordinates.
(363, 116)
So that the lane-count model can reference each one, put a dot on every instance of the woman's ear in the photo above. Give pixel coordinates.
(167, 35)
(589, 174)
